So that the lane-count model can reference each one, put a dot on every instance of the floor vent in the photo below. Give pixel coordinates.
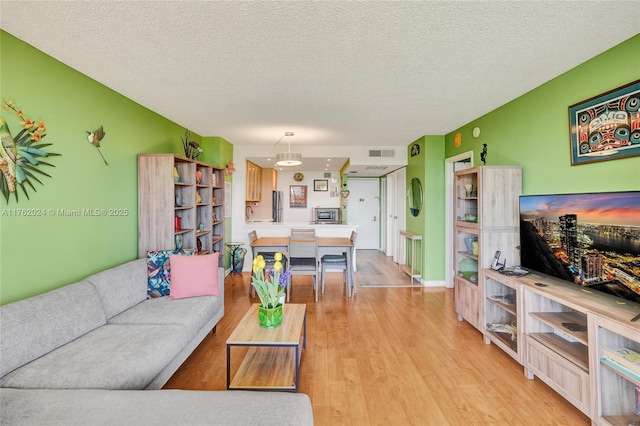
(381, 153)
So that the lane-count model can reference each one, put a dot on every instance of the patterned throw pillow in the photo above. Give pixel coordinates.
(159, 271)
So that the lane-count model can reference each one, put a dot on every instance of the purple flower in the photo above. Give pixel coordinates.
(284, 278)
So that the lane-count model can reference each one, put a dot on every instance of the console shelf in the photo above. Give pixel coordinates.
(502, 305)
(504, 341)
(557, 319)
(616, 392)
(505, 307)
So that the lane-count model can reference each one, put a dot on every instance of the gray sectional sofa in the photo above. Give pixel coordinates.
(97, 351)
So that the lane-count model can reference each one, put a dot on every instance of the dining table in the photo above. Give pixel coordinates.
(326, 245)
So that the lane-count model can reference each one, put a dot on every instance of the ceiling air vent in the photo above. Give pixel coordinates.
(381, 153)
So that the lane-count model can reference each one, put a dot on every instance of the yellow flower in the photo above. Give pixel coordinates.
(258, 264)
(277, 266)
(278, 256)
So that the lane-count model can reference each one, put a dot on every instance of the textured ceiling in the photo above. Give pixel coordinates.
(335, 73)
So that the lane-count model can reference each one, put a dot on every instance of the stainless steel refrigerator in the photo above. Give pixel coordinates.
(276, 206)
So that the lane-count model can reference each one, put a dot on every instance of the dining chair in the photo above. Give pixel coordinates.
(339, 261)
(303, 260)
(303, 233)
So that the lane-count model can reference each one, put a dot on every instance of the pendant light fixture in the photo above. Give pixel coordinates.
(288, 158)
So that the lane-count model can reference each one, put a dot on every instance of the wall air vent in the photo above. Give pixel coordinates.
(381, 153)
(375, 168)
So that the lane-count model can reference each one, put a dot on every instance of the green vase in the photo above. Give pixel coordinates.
(270, 317)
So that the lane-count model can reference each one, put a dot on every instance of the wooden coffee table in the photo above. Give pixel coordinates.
(272, 361)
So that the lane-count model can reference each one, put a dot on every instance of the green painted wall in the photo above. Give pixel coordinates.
(533, 130)
(38, 254)
(428, 166)
(219, 151)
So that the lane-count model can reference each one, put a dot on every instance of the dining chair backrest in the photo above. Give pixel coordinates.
(303, 248)
(303, 232)
(303, 260)
(253, 235)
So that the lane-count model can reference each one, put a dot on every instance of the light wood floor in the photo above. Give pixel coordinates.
(390, 356)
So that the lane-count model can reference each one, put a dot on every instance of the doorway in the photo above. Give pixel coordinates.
(363, 210)
(452, 164)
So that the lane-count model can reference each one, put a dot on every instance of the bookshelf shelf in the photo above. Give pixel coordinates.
(502, 304)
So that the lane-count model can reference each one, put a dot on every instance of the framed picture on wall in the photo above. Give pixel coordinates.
(607, 126)
(297, 196)
(320, 185)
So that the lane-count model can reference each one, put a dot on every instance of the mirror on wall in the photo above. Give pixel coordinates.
(415, 197)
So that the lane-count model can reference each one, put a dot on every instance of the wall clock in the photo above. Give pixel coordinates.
(298, 177)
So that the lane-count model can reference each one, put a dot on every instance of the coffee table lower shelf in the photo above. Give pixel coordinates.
(271, 357)
(267, 367)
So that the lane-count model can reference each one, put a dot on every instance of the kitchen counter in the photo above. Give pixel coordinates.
(281, 229)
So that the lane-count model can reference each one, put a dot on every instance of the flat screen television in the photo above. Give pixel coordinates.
(592, 240)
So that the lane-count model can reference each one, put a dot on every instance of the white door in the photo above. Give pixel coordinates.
(390, 211)
(383, 214)
(399, 215)
(395, 202)
(364, 210)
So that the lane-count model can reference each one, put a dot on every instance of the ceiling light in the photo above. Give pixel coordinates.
(288, 158)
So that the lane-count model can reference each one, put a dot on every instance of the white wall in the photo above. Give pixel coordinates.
(314, 198)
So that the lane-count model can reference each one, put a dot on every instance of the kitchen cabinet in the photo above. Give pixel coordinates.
(254, 182)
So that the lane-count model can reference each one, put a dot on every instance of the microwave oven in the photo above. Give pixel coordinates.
(326, 215)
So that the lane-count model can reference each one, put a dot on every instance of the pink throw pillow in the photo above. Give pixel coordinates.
(194, 276)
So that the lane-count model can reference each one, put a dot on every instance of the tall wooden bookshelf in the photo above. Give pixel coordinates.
(180, 204)
(485, 213)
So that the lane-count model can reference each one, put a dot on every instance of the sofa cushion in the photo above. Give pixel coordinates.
(193, 312)
(110, 357)
(121, 287)
(193, 276)
(159, 271)
(160, 407)
(32, 327)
